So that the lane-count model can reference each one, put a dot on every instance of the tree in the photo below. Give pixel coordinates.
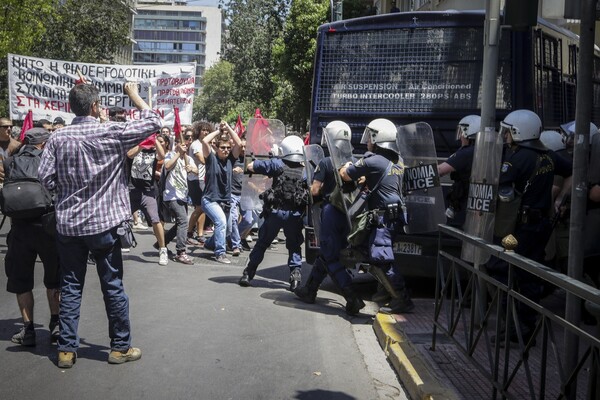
(20, 29)
(294, 55)
(217, 97)
(254, 25)
(85, 31)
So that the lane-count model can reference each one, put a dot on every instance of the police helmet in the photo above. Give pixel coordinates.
(523, 125)
(568, 130)
(552, 140)
(292, 148)
(468, 127)
(383, 133)
(336, 130)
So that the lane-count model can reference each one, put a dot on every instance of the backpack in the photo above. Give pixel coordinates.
(289, 191)
(23, 196)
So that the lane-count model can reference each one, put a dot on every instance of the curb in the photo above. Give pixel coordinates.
(418, 378)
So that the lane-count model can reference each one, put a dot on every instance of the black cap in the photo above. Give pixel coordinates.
(58, 120)
(40, 123)
(115, 110)
(36, 136)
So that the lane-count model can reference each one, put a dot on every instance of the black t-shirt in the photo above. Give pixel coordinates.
(237, 178)
(324, 173)
(462, 160)
(218, 178)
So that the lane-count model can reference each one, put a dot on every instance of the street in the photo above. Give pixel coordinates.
(203, 337)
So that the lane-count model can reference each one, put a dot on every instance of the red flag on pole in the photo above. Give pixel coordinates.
(307, 139)
(239, 126)
(149, 142)
(27, 125)
(177, 124)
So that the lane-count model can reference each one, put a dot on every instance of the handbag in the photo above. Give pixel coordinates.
(125, 233)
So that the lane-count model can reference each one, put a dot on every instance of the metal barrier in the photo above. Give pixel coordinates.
(473, 309)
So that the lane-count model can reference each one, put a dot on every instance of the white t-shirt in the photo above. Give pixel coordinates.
(196, 147)
(176, 186)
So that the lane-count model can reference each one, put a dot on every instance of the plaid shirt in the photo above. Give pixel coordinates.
(85, 163)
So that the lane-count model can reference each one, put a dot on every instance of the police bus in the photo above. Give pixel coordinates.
(427, 66)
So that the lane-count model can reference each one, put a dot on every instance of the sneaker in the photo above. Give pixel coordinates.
(244, 280)
(140, 227)
(236, 252)
(66, 359)
(184, 259)
(223, 259)
(200, 239)
(249, 239)
(54, 331)
(163, 256)
(25, 337)
(120, 357)
(245, 245)
(125, 250)
(275, 241)
(210, 229)
(295, 279)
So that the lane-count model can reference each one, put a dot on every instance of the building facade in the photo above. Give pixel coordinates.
(170, 32)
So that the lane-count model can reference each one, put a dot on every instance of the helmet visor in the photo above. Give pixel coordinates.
(368, 133)
(510, 129)
(461, 131)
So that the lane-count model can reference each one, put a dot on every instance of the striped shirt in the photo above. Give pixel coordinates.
(85, 163)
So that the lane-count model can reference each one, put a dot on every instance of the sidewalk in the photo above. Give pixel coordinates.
(447, 373)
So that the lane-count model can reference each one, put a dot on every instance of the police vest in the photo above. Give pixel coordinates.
(288, 192)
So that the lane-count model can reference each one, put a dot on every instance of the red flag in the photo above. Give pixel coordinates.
(27, 125)
(149, 142)
(263, 137)
(307, 139)
(239, 126)
(177, 124)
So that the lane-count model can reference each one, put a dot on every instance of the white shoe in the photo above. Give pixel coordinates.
(125, 250)
(163, 256)
(140, 227)
(249, 238)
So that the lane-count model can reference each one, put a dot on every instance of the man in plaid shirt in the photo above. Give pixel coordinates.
(85, 164)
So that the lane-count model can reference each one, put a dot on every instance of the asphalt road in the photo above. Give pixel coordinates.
(202, 337)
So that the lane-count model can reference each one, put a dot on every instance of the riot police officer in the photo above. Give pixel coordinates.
(284, 206)
(527, 170)
(458, 165)
(334, 230)
(383, 169)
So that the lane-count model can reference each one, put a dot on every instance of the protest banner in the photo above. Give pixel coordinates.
(43, 85)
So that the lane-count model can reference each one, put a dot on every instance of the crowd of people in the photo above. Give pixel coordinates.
(142, 171)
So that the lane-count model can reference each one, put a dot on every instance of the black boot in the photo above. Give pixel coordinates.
(247, 276)
(295, 279)
(353, 303)
(382, 295)
(308, 292)
(399, 305)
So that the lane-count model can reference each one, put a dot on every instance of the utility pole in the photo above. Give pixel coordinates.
(579, 190)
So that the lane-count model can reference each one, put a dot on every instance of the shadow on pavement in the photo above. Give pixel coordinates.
(319, 394)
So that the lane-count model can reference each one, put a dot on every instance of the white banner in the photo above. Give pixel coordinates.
(43, 86)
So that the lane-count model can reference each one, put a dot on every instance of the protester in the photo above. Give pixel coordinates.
(7, 143)
(85, 164)
(26, 241)
(197, 184)
(58, 123)
(217, 196)
(143, 194)
(233, 233)
(176, 167)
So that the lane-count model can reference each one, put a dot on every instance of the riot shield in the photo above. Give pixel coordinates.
(594, 171)
(340, 152)
(263, 137)
(313, 154)
(483, 188)
(425, 198)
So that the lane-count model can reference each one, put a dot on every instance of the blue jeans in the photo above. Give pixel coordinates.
(232, 224)
(214, 211)
(249, 218)
(292, 225)
(73, 254)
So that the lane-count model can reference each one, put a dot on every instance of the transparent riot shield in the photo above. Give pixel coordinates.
(340, 152)
(313, 154)
(483, 188)
(425, 198)
(594, 171)
(263, 137)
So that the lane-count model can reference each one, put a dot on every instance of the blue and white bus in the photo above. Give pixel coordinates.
(427, 66)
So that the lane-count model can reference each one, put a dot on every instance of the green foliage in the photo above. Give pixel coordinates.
(357, 8)
(86, 31)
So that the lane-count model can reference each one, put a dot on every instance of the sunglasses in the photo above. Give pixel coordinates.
(225, 147)
(187, 137)
(6, 126)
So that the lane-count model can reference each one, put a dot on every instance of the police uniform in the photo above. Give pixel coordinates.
(531, 172)
(461, 162)
(278, 215)
(388, 194)
(333, 234)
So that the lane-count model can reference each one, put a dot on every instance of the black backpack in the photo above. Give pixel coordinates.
(289, 190)
(23, 196)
